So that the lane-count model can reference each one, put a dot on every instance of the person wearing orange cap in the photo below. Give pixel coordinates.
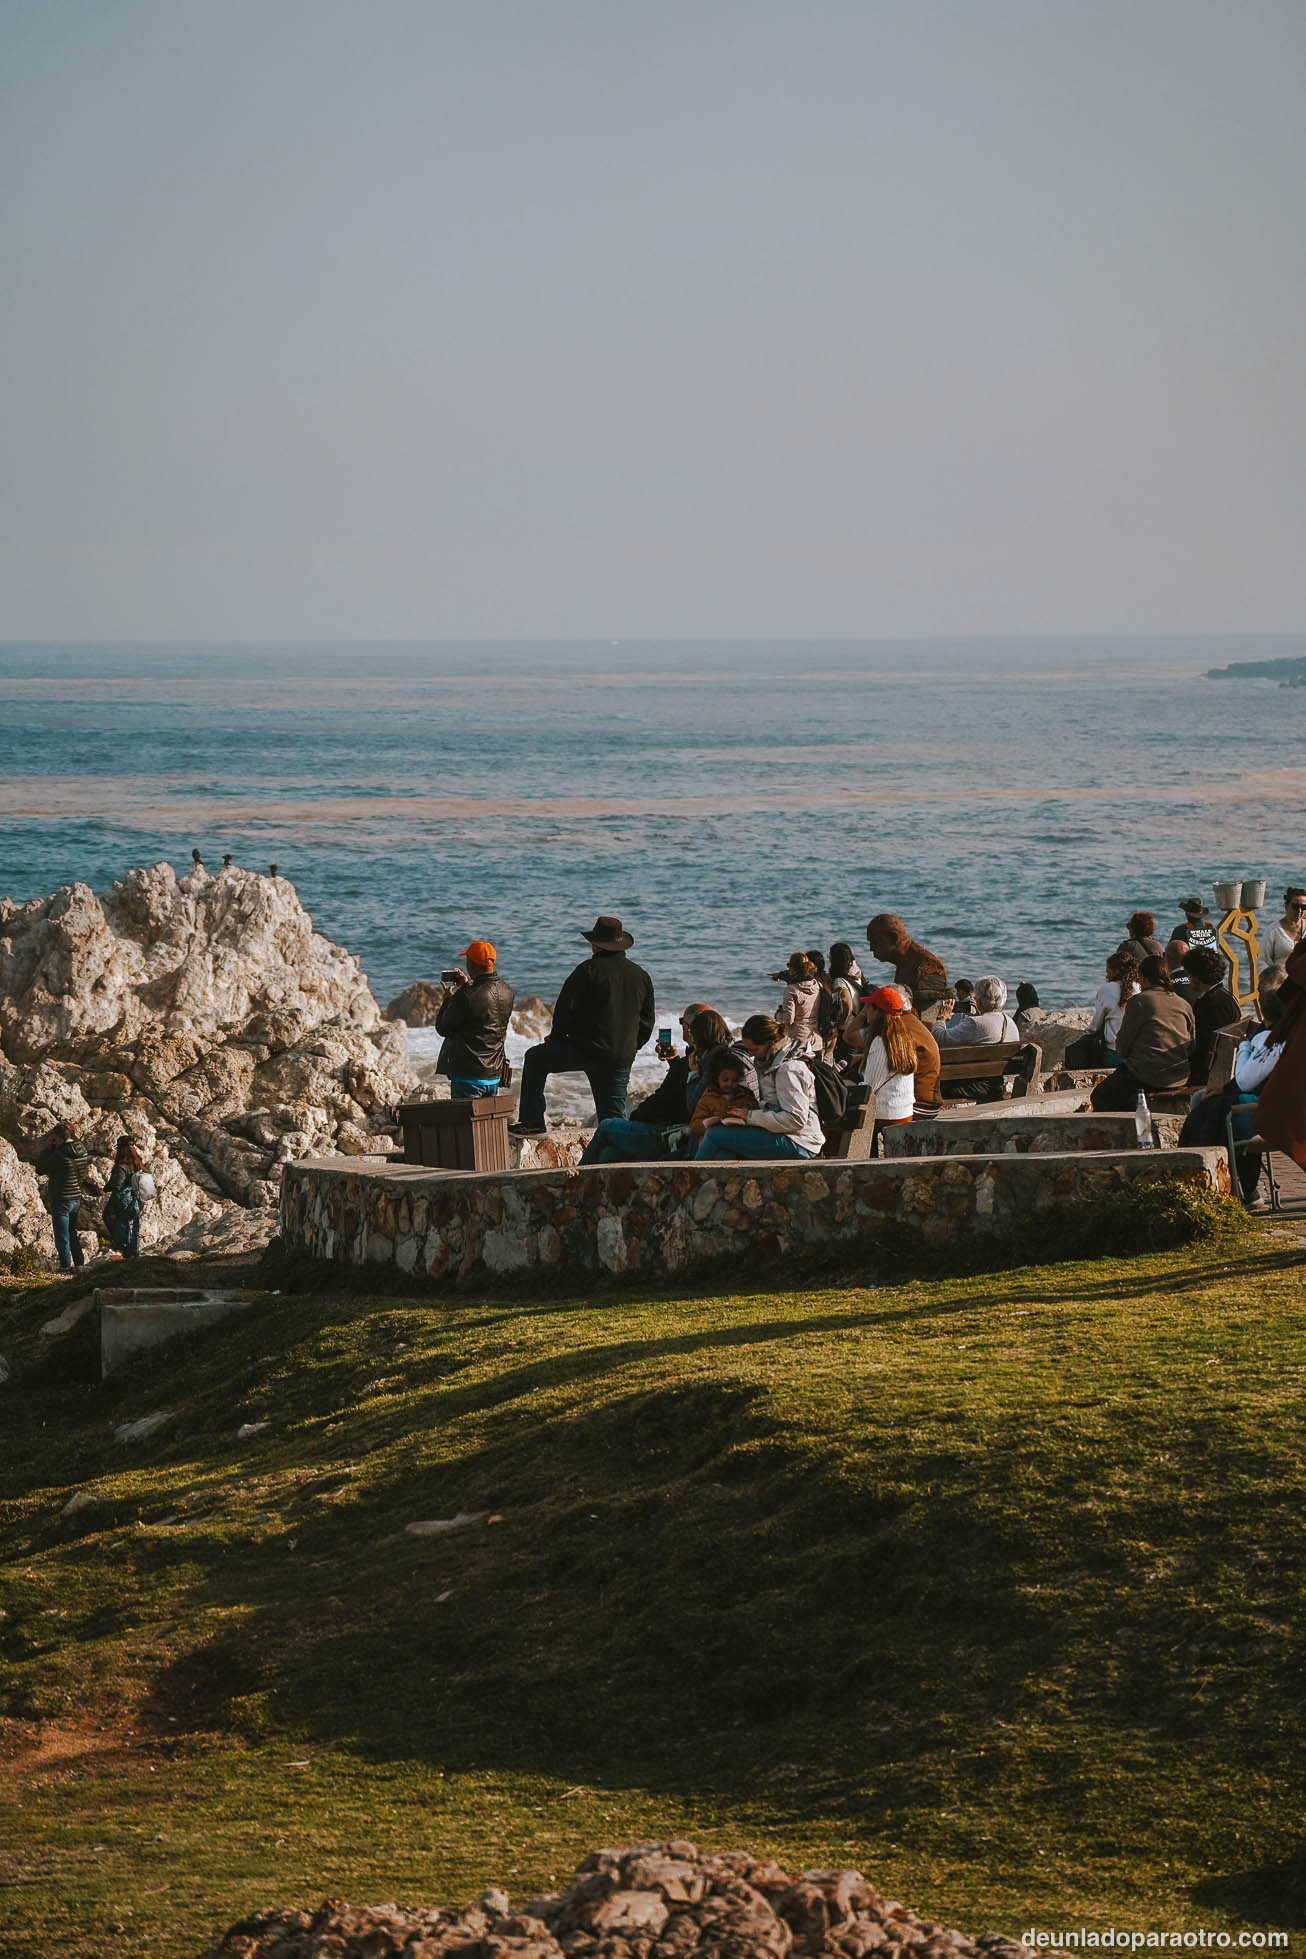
(886, 1006)
(473, 1018)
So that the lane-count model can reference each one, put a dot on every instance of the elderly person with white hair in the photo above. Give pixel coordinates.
(987, 1023)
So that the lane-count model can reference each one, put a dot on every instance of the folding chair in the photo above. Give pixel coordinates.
(1240, 1139)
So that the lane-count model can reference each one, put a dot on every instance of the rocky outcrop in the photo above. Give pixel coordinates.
(417, 1005)
(649, 1901)
(1054, 1029)
(532, 1017)
(202, 1017)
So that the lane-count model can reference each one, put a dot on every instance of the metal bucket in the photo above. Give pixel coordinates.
(1253, 895)
(1227, 895)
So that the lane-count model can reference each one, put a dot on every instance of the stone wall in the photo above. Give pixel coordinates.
(448, 1228)
(1013, 1134)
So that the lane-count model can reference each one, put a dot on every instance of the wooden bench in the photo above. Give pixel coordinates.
(851, 1138)
(1012, 1066)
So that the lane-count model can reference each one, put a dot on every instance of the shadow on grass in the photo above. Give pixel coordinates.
(685, 1594)
(1274, 1894)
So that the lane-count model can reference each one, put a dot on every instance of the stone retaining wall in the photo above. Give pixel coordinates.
(1011, 1134)
(449, 1228)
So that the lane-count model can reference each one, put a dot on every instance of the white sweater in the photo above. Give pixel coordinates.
(1107, 1010)
(788, 1099)
(895, 1095)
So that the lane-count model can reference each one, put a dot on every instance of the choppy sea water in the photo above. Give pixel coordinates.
(1013, 800)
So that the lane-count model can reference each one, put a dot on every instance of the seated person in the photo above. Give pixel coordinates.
(890, 1071)
(725, 1092)
(666, 1103)
(958, 1008)
(1026, 1002)
(859, 1033)
(1142, 940)
(650, 1138)
(1214, 1006)
(785, 1123)
(988, 1023)
(1155, 1042)
(1097, 1048)
(1254, 1063)
(988, 1026)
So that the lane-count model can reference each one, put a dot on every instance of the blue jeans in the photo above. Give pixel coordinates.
(470, 1088)
(730, 1139)
(615, 1141)
(63, 1216)
(608, 1079)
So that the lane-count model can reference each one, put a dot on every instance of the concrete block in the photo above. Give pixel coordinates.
(135, 1319)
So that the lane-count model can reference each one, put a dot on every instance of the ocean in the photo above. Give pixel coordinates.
(731, 802)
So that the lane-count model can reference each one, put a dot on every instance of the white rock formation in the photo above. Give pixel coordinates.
(204, 1018)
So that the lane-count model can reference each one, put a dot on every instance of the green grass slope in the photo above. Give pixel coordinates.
(990, 1587)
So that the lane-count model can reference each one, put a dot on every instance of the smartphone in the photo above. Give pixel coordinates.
(450, 977)
(664, 1040)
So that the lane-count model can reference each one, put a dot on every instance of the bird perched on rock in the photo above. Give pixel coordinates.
(196, 859)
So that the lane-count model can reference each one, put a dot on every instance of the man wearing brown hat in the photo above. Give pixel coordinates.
(603, 1016)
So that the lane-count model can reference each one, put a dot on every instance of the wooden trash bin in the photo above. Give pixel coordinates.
(457, 1135)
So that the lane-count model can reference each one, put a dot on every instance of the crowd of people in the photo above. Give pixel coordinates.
(758, 1093)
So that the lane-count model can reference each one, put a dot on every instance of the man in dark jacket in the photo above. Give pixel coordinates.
(474, 1018)
(63, 1161)
(603, 1016)
(1214, 1006)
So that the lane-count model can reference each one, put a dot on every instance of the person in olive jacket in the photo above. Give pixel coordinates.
(474, 1018)
(1155, 1042)
(63, 1162)
(602, 1018)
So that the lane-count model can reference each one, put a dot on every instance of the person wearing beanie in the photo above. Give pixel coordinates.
(473, 1018)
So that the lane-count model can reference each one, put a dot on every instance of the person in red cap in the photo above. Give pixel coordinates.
(601, 1019)
(868, 1025)
(473, 1018)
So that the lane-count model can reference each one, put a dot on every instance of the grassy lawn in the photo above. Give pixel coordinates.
(993, 1588)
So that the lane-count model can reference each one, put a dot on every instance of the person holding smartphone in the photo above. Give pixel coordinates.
(473, 1018)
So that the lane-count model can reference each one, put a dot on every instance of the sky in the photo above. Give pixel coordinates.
(407, 319)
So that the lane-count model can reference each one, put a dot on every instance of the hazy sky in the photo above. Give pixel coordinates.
(415, 319)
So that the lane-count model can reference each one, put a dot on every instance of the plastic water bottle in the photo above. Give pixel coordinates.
(1143, 1123)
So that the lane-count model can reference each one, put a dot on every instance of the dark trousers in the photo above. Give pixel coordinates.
(608, 1079)
(1121, 1090)
(63, 1216)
